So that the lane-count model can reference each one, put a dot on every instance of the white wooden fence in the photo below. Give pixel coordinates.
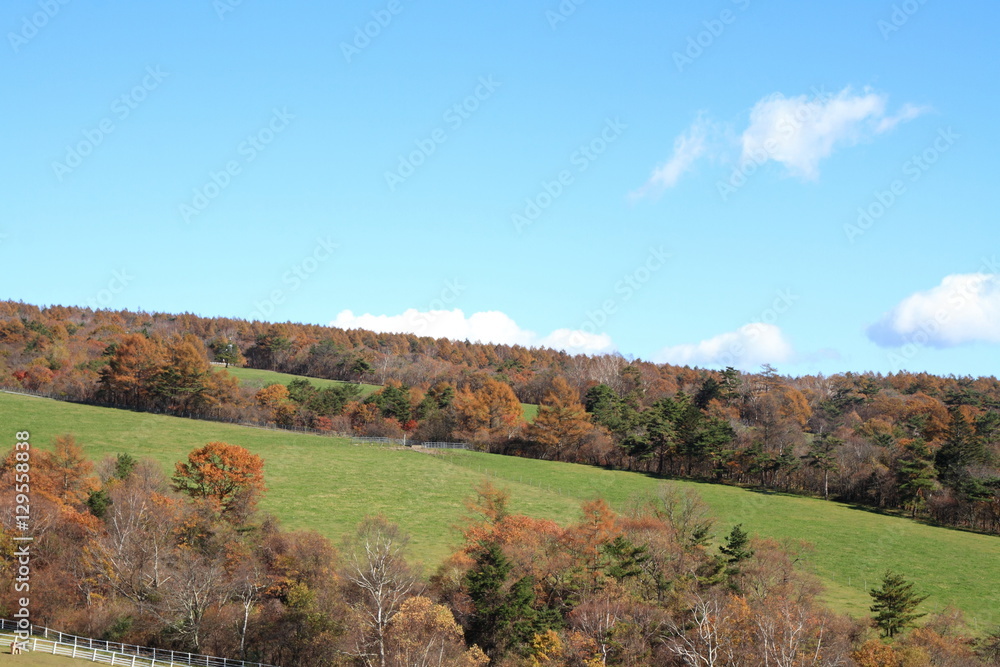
(47, 640)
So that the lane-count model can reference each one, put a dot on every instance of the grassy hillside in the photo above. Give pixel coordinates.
(254, 377)
(33, 659)
(328, 484)
(322, 483)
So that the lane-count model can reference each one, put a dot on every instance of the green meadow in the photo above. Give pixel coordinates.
(328, 484)
(255, 377)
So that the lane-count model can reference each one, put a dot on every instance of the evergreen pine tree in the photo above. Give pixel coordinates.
(503, 617)
(916, 478)
(962, 448)
(894, 604)
(737, 547)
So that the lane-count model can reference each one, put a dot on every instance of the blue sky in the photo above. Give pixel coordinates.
(739, 182)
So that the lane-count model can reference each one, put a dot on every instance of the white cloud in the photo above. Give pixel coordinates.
(488, 327)
(576, 341)
(746, 348)
(688, 147)
(799, 132)
(964, 308)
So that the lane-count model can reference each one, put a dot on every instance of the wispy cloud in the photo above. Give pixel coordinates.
(798, 132)
(688, 147)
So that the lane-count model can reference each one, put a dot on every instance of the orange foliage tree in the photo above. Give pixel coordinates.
(65, 475)
(274, 399)
(492, 411)
(227, 475)
(562, 422)
(133, 364)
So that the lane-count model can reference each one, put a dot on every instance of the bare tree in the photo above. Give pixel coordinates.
(704, 641)
(198, 583)
(597, 618)
(249, 581)
(782, 636)
(380, 581)
(131, 556)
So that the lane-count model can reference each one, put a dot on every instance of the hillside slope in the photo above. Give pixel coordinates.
(328, 484)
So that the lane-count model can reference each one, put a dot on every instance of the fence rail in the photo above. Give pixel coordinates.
(361, 439)
(52, 641)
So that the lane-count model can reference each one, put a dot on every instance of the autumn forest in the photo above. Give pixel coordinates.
(188, 560)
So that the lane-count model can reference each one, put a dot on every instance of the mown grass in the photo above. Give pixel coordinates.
(34, 659)
(328, 485)
(255, 377)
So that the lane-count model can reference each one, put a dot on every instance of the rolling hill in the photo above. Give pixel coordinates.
(328, 484)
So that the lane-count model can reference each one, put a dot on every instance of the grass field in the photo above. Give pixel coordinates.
(327, 485)
(254, 377)
(33, 659)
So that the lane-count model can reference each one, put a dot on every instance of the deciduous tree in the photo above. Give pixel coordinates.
(424, 634)
(380, 581)
(227, 475)
(562, 422)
